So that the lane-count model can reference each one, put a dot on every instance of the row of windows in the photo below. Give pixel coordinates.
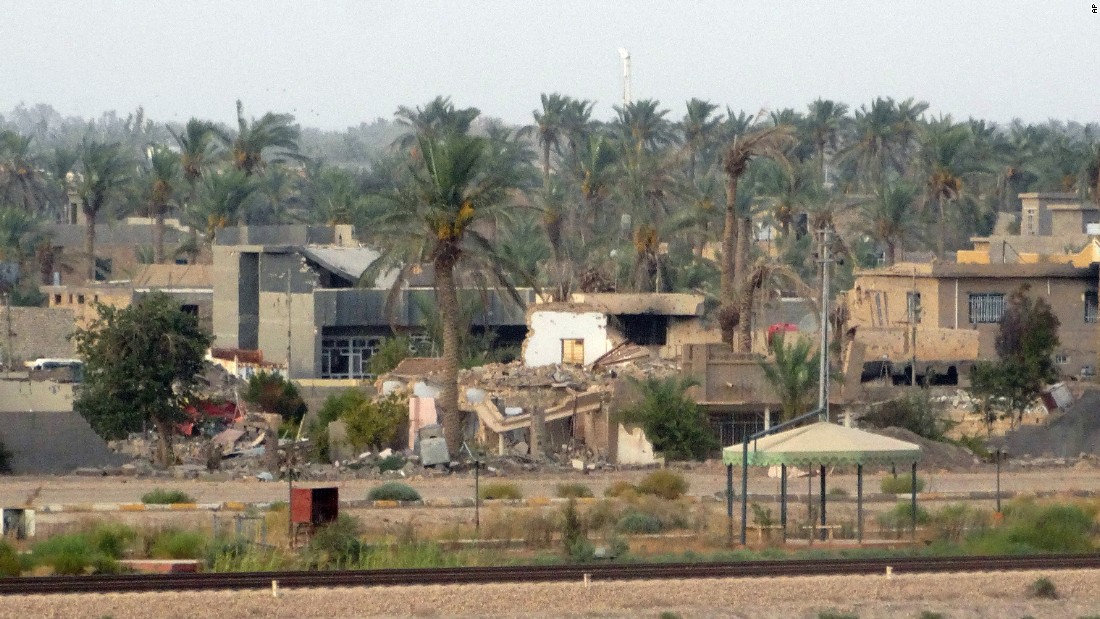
(349, 357)
(989, 307)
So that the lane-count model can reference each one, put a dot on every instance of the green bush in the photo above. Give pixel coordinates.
(836, 614)
(672, 420)
(176, 544)
(392, 462)
(275, 394)
(500, 490)
(663, 483)
(954, 523)
(389, 354)
(393, 491)
(1043, 588)
(73, 554)
(160, 496)
(1029, 527)
(927, 614)
(976, 445)
(621, 489)
(113, 539)
(915, 412)
(573, 534)
(10, 565)
(336, 546)
(375, 423)
(902, 484)
(900, 518)
(638, 522)
(574, 491)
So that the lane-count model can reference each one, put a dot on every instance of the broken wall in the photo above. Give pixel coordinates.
(547, 329)
(28, 333)
(53, 442)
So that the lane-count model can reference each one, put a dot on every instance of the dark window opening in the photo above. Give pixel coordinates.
(643, 329)
(80, 299)
(190, 309)
(1090, 306)
(102, 269)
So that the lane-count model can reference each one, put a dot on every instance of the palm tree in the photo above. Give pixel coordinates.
(548, 128)
(890, 219)
(823, 122)
(435, 120)
(270, 131)
(436, 219)
(874, 147)
(767, 142)
(165, 167)
(20, 234)
(946, 157)
(641, 125)
(698, 130)
(59, 165)
(18, 173)
(105, 172)
(222, 198)
(764, 274)
(792, 371)
(197, 143)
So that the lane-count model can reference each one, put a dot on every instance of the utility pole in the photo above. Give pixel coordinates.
(914, 308)
(289, 322)
(823, 369)
(625, 56)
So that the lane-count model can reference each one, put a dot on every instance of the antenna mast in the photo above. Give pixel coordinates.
(625, 56)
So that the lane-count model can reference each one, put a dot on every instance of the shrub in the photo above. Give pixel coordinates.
(160, 496)
(915, 412)
(927, 614)
(392, 462)
(668, 614)
(663, 483)
(638, 522)
(9, 560)
(900, 518)
(389, 354)
(837, 492)
(1043, 588)
(573, 534)
(621, 489)
(73, 554)
(393, 491)
(902, 484)
(112, 538)
(376, 423)
(175, 544)
(954, 522)
(835, 614)
(976, 445)
(574, 491)
(1029, 527)
(275, 394)
(672, 421)
(500, 490)
(335, 546)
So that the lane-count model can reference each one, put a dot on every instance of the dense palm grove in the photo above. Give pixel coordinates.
(654, 200)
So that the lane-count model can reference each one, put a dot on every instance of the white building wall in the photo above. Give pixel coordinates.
(548, 328)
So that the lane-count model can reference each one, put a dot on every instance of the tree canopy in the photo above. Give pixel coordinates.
(142, 364)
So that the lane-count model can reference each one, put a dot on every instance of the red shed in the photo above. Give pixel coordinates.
(314, 506)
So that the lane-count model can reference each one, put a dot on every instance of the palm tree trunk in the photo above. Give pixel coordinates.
(744, 248)
(744, 327)
(89, 243)
(158, 234)
(729, 242)
(449, 316)
(891, 251)
(164, 444)
(546, 165)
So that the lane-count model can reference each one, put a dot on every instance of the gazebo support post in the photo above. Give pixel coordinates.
(729, 503)
(823, 529)
(859, 503)
(744, 489)
(783, 500)
(913, 521)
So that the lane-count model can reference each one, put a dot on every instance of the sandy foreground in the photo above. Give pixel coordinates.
(956, 596)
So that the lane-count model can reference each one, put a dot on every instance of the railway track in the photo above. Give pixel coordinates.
(40, 585)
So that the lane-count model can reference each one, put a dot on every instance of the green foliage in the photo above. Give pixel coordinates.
(902, 484)
(668, 614)
(900, 518)
(73, 554)
(275, 394)
(1029, 527)
(1043, 588)
(392, 462)
(176, 544)
(141, 364)
(335, 546)
(672, 421)
(333, 408)
(376, 423)
(393, 491)
(761, 516)
(160, 496)
(663, 483)
(913, 411)
(1026, 341)
(836, 614)
(954, 523)
(927, 614)
(392, 352)
(638, 522)
(242, 556)
(500, 490)
(792, 370)
(573, 534)
(10, 565)
(976, 445)
(573, 491)
(621, 488)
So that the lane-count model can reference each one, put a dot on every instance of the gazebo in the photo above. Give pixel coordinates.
(817, 444)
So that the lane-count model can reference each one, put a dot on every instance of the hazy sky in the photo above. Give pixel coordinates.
(335, 64)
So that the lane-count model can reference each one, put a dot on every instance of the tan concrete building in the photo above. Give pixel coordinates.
(955, 309)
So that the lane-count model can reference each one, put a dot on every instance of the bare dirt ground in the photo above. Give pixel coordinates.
(705, 480)
(958, 596)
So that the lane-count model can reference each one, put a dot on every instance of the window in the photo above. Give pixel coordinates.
(912, 302)
(1030, 222)
(191, 309)
(1090, 306)
(572, 352)
(80, 299)
(1061, 358)
(57, 299)
(348, 357)
(986, 307)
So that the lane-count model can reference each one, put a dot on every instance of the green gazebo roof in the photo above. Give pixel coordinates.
(824, 443)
